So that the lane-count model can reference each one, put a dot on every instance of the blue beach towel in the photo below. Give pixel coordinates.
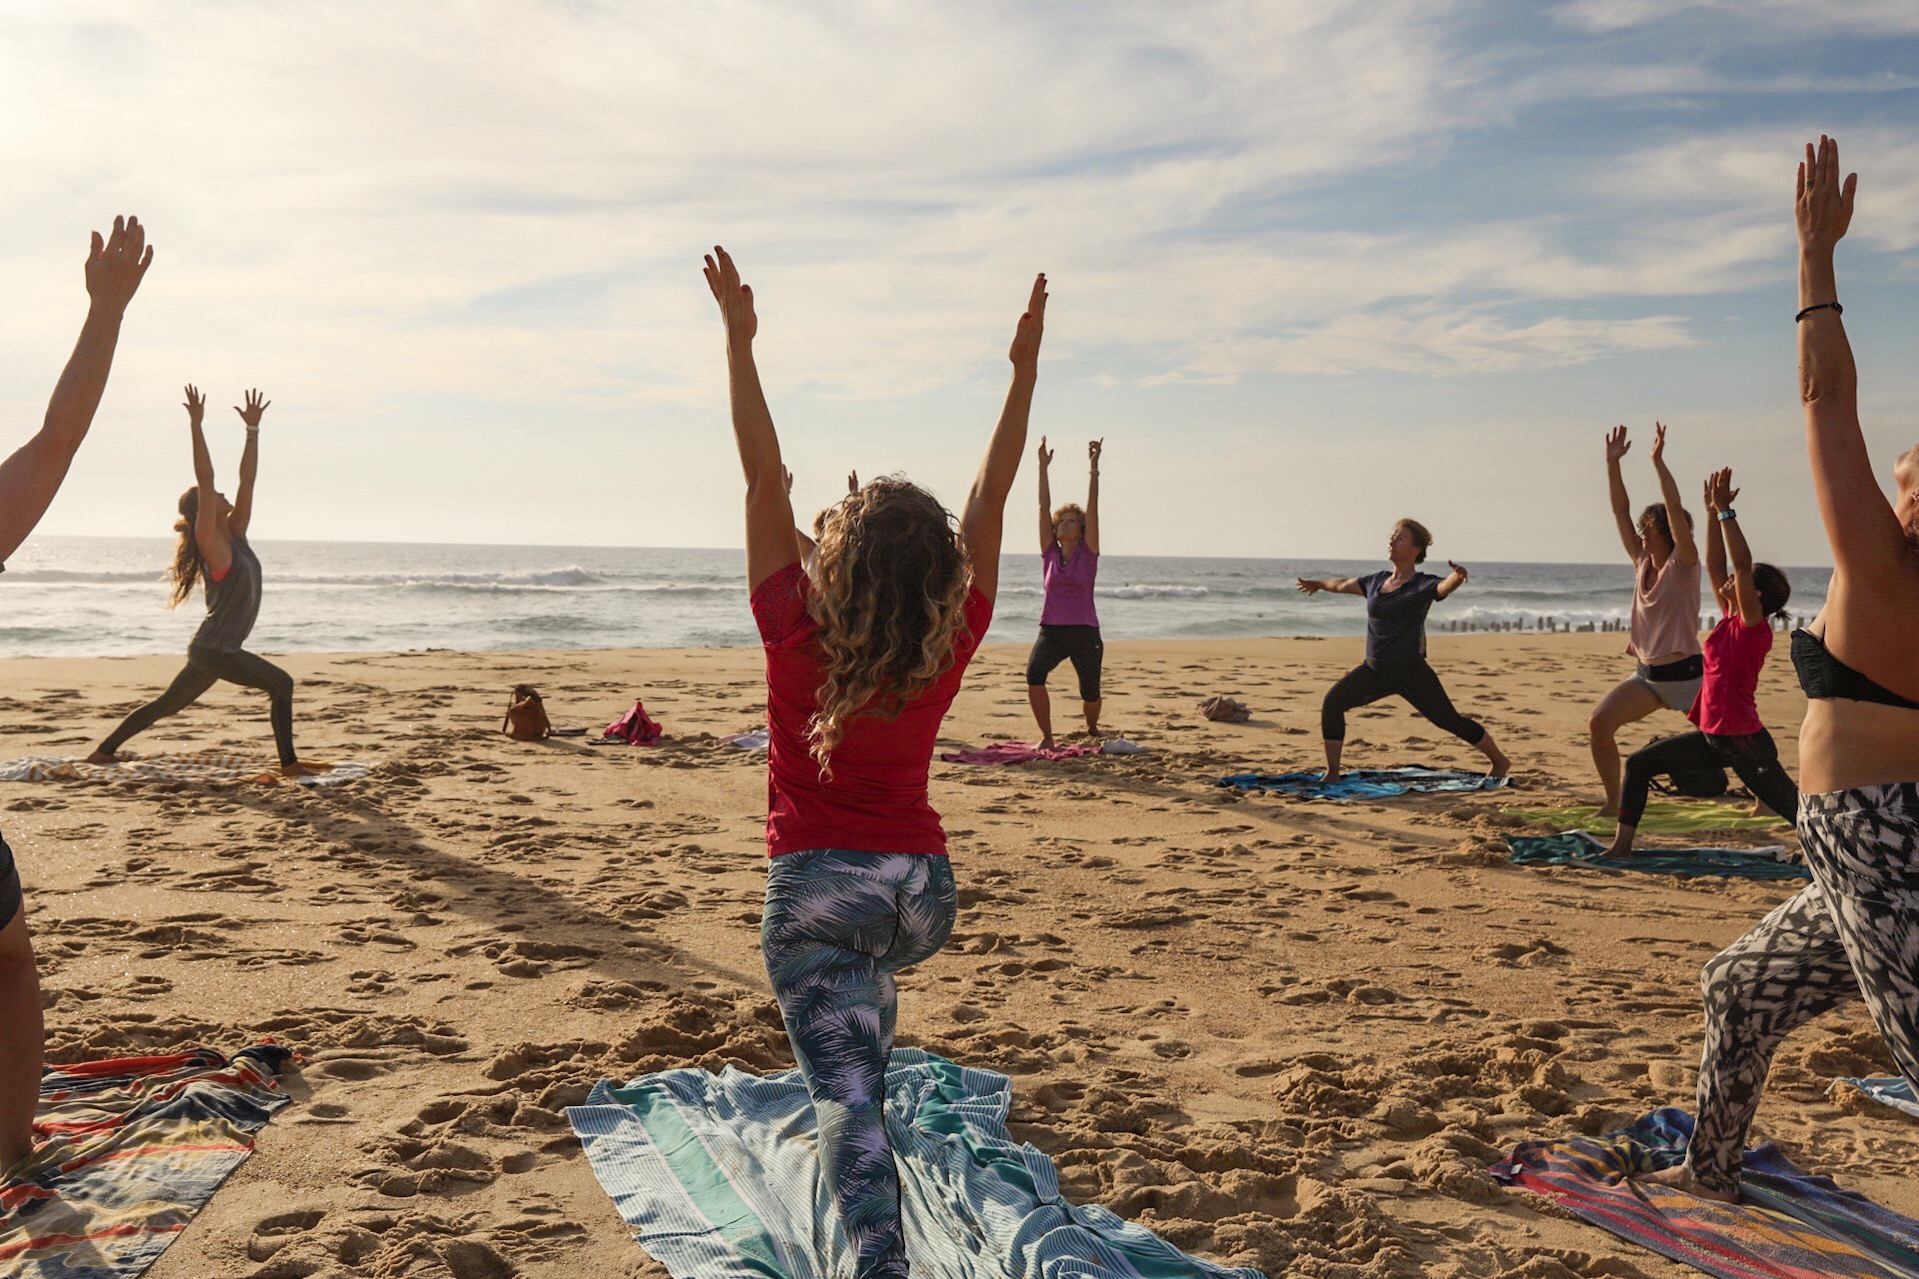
(1363, 783)
(1789, 1225)
(1887, 1090)
(1577, 848)
(720, 1178)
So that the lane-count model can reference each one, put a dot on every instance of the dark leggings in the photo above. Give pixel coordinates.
(1751, 755)
(1414, 681)
(206, 667)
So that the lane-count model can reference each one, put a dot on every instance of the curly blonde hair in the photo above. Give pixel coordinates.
(889, 598)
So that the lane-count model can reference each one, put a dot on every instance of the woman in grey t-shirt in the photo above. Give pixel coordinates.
(213, 551)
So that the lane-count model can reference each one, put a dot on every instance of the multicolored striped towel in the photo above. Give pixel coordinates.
(1790, 1225)
(189, 766)
(1887, 1090)
(720, 1179)
(1363, 783)
(1578, 848)
(129, 1149)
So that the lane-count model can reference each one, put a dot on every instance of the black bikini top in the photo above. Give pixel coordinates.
(1822, 675)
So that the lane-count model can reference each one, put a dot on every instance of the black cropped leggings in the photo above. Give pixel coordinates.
(1414, 681)
(1751, 755)
(206, 667)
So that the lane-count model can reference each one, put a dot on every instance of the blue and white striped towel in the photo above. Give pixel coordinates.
(1887, 1090)
(719, 1176)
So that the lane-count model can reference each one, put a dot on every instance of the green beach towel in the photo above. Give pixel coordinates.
(1680, 818)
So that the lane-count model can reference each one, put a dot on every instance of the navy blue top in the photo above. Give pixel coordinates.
(1396, 620)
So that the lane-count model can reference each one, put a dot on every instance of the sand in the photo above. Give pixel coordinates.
(1283, 1034)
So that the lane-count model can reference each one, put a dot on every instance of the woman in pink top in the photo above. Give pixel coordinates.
(1665, 612)
(866, 641)
(1068, 621)
(1726, 710)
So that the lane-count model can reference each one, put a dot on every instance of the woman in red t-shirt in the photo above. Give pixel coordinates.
(866, 641)
(1726, 709)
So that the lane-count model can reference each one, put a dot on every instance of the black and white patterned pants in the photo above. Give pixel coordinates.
(1854, 932)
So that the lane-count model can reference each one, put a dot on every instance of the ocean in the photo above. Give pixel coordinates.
(88, 596)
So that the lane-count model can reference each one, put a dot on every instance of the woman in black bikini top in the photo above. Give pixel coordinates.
(1853, 932)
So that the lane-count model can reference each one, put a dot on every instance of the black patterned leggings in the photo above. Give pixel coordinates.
(1415, 681)
(1853, 932)
(206, 667)
(1751, 755)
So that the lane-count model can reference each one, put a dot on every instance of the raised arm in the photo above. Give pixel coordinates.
(1045, 497)
(1685, 544)
(1716, 544)
(1617, 446)
(770, 544)
(242, 515)
(808, 548)
(982, 523)
(1721, 494)
(216, 547)
(1451, 582)
(1091, 534)
(1860, 523)
(33, 474)
(1337, 585)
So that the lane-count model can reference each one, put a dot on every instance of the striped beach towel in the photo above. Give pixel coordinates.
(1362, 783)
(1578, 848)
(1789, 1225)
(1887, 1090)
(129, 1149)
(720, 1179)
(193, 766)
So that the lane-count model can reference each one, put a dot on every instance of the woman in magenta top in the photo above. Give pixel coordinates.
(1068, 621)
(1665, 611)
(867, 637)
(1727, 709)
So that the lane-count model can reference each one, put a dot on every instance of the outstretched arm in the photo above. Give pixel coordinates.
(1860, 523)
(249, 463)
(1716, 544)
(1337, 585)
(33, 474)
(1091, 536)
(981, 524)
(1045, 497)
(1684, 543)
(808, 548)
(216, 548)
(770, 544)
(1616, 447)
(1745, 592)
(1451, 582)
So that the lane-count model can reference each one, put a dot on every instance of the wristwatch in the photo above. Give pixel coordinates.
(1728, 514)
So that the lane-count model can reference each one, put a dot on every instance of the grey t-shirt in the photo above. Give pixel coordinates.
(233, 602)
(1396, 620)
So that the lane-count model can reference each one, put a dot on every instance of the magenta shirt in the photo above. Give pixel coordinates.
(1069, 587)
(1728, 700)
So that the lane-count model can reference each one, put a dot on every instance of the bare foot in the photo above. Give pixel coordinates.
(1331, 775)
(298, 770)
(1608, 811)
(1047, 743)
(1501, 766)
(1679, 1177)
(101, 757)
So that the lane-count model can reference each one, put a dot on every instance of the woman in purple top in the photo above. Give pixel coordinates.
(1068, 622)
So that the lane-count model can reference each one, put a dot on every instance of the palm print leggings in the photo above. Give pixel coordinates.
(1854, 931)
(837, 926)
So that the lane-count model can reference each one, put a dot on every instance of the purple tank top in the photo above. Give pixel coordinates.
(1069, 587)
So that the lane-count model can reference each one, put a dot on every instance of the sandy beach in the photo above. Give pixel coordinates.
(1287, 1035)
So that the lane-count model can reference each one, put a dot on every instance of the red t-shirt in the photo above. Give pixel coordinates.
(1728, 700)
(875, 802)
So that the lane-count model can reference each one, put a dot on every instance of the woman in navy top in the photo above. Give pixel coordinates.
(1397, 601)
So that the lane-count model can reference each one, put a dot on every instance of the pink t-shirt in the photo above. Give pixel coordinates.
(875, 802)
(1728, 704)
(1665, 609)
(1069, 587)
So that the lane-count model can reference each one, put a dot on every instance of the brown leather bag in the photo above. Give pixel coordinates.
(526, 719)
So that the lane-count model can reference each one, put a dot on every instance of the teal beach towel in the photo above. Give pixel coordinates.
(719, 1177)
(1578, 848)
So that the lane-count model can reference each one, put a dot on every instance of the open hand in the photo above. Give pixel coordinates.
(735, 298)
(1720, 494)
(1822, 204)
(251, 413)
(789, 481)
(1308, 586)
(1617, 445)
(1658, 443)
(852, 481)
(1025, 350)
(1459, 571)
(1093, 448)
(1045, 454)
(117, 264)
(196, 405)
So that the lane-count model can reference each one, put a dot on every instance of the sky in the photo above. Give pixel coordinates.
(1315, 266)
